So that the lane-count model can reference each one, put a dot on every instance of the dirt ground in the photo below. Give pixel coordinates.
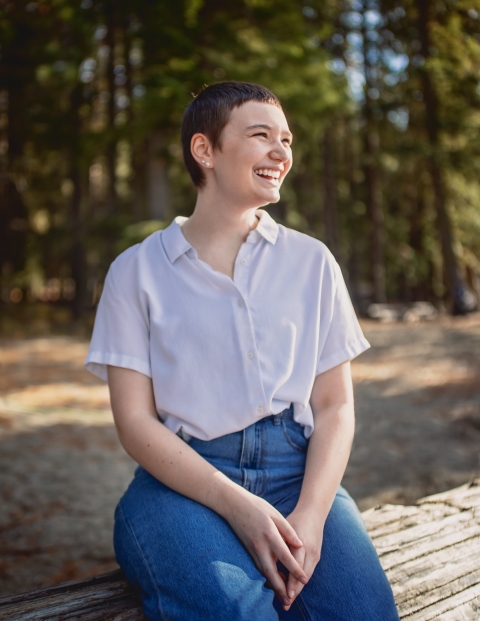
(62, 469)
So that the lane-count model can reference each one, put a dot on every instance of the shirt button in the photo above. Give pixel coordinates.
(250, 355)
(260, 410)
(239, 302)
(243, 261)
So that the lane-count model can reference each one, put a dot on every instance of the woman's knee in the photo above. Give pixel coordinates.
(349, 578)
(186, 561)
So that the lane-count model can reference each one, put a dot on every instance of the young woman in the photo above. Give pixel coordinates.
(226, 341)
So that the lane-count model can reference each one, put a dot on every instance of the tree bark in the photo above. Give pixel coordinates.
(16, 72)
(372, 177)
(77, 250)
(158, 200)
(330, 198)
(353, 260)
(375, 212)
(453, 281)
(111, 149)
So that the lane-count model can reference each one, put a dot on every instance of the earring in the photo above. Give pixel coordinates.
(208, 163)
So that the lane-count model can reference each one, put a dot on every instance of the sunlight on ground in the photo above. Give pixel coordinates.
(62, 469)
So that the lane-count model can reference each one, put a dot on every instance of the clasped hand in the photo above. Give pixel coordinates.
(269, 537)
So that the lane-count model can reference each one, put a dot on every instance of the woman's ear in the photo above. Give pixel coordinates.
(202, 150)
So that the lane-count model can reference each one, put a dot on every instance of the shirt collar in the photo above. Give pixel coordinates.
(176, 244)
(174, 241)
(267, 227)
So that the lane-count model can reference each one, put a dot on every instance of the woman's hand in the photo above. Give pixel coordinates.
(266, 535)
(310, 529)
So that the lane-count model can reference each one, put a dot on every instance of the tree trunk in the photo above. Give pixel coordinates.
(158, 201)
(330, 198)
(416, 238)
(375, 213)
(13, 211)
(454, 283)
(111, 149)
(353, 252)
(77, 258)
(372, 177)
(77, 249)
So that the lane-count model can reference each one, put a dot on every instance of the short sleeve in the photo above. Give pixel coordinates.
(341, 337)
(121, 331)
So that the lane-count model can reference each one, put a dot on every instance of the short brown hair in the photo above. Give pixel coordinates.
(209, 112)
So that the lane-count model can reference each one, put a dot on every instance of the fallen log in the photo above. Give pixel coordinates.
(430, 551)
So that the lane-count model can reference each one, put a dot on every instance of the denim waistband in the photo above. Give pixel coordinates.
(286, 413)
(274, 418)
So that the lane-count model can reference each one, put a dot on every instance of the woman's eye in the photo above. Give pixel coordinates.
(261, 134)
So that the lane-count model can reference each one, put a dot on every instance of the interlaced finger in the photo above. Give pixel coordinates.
(285, 556)
(274, 579)
(294, 586)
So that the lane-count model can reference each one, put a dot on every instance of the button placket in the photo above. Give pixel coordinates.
(242, 264)
(254, 372)
(244, 319)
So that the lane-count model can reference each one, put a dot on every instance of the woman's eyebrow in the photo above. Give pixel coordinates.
(257, 125)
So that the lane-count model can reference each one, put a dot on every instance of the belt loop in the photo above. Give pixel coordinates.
(277, 419)
(186, 437)
(242, 453)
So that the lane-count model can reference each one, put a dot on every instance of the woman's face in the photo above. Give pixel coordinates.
(255, 155)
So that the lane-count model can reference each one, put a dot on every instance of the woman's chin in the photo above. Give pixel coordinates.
(272, 196)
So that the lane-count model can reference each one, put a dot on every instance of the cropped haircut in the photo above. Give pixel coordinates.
(209, 112)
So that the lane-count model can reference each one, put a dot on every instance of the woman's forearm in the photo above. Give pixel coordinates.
(327, 457)
(157, 449)
(331, 441)
(170, 460)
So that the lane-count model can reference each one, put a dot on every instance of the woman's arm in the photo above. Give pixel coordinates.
(328, 452)
(261, 528)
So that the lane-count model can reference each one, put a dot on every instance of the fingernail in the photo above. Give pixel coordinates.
(286, 601)
(304, 580)
(291, 594)
(298, 542)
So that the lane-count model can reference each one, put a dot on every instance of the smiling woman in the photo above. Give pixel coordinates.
(226, 340)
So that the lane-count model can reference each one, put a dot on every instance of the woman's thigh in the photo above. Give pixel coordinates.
(186, 560)
(348, 583)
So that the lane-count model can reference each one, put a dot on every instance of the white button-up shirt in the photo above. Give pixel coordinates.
(224, 353)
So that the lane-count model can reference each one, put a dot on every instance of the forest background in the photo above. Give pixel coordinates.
(383, 98)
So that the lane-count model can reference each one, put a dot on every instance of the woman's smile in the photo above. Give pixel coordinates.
(269, 174)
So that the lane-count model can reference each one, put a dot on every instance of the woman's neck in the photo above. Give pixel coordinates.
(217, 233)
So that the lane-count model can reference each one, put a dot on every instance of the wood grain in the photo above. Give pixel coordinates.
(430, 551)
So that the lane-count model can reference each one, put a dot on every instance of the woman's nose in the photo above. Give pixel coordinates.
(281, 152)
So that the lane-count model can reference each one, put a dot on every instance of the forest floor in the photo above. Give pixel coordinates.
(62, 469)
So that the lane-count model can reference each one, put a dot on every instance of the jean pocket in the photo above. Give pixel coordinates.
(294, 435)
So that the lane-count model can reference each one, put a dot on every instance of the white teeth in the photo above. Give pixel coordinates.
(267, 172)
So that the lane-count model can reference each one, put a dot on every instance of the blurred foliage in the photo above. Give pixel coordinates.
(383, 98)
(136, 233)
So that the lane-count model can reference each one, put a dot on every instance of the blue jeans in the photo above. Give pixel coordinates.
(190, 566)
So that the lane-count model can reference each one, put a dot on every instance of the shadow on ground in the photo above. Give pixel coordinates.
(62, 469)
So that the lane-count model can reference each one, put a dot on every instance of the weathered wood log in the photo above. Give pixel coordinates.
(430, 551)
(108, 597)
(416, 311)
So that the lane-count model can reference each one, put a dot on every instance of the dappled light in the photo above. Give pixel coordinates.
(383, 100)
